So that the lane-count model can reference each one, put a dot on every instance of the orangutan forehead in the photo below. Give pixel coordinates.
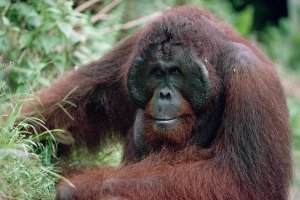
(167, 51)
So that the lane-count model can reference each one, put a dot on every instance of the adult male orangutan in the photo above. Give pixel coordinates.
(200, 108)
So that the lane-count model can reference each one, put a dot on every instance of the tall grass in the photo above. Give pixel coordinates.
(24, 174)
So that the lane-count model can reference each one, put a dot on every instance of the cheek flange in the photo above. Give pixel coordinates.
(136, 84)
(197, 87)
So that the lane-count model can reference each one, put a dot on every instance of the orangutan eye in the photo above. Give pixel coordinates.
(175, 71)
(157, 71)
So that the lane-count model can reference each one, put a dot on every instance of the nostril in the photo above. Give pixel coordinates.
(165, 95)
(168, 96)
(161, 95)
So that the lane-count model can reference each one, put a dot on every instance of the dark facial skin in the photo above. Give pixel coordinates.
(170, 70)
(171, 86)
(166, 78)
(166, 106)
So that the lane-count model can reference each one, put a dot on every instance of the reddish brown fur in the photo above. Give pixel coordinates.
(250, 157)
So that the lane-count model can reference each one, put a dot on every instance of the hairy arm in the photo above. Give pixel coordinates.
(87, 102)
(162, 176)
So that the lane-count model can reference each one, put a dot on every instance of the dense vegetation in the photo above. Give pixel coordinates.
(41, 39)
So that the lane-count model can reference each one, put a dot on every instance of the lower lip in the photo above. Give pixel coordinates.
(165, 123)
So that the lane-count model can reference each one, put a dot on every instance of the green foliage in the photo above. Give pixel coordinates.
(283, 43)
(95, 42)
(23, 173)
(244, 21)
(33, 39)
(38, 38)
(38, 41)
(294, 108)
(25, 178)
(109, 155)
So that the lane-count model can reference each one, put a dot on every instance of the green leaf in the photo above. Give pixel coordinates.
(65, 28)
(4, 3)
(4, 43)
(2, 32)
(25, 12)
(47, 26)
(5, 21)
(49, 42)
(244, 21)
(54, 13)
(25, 39)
